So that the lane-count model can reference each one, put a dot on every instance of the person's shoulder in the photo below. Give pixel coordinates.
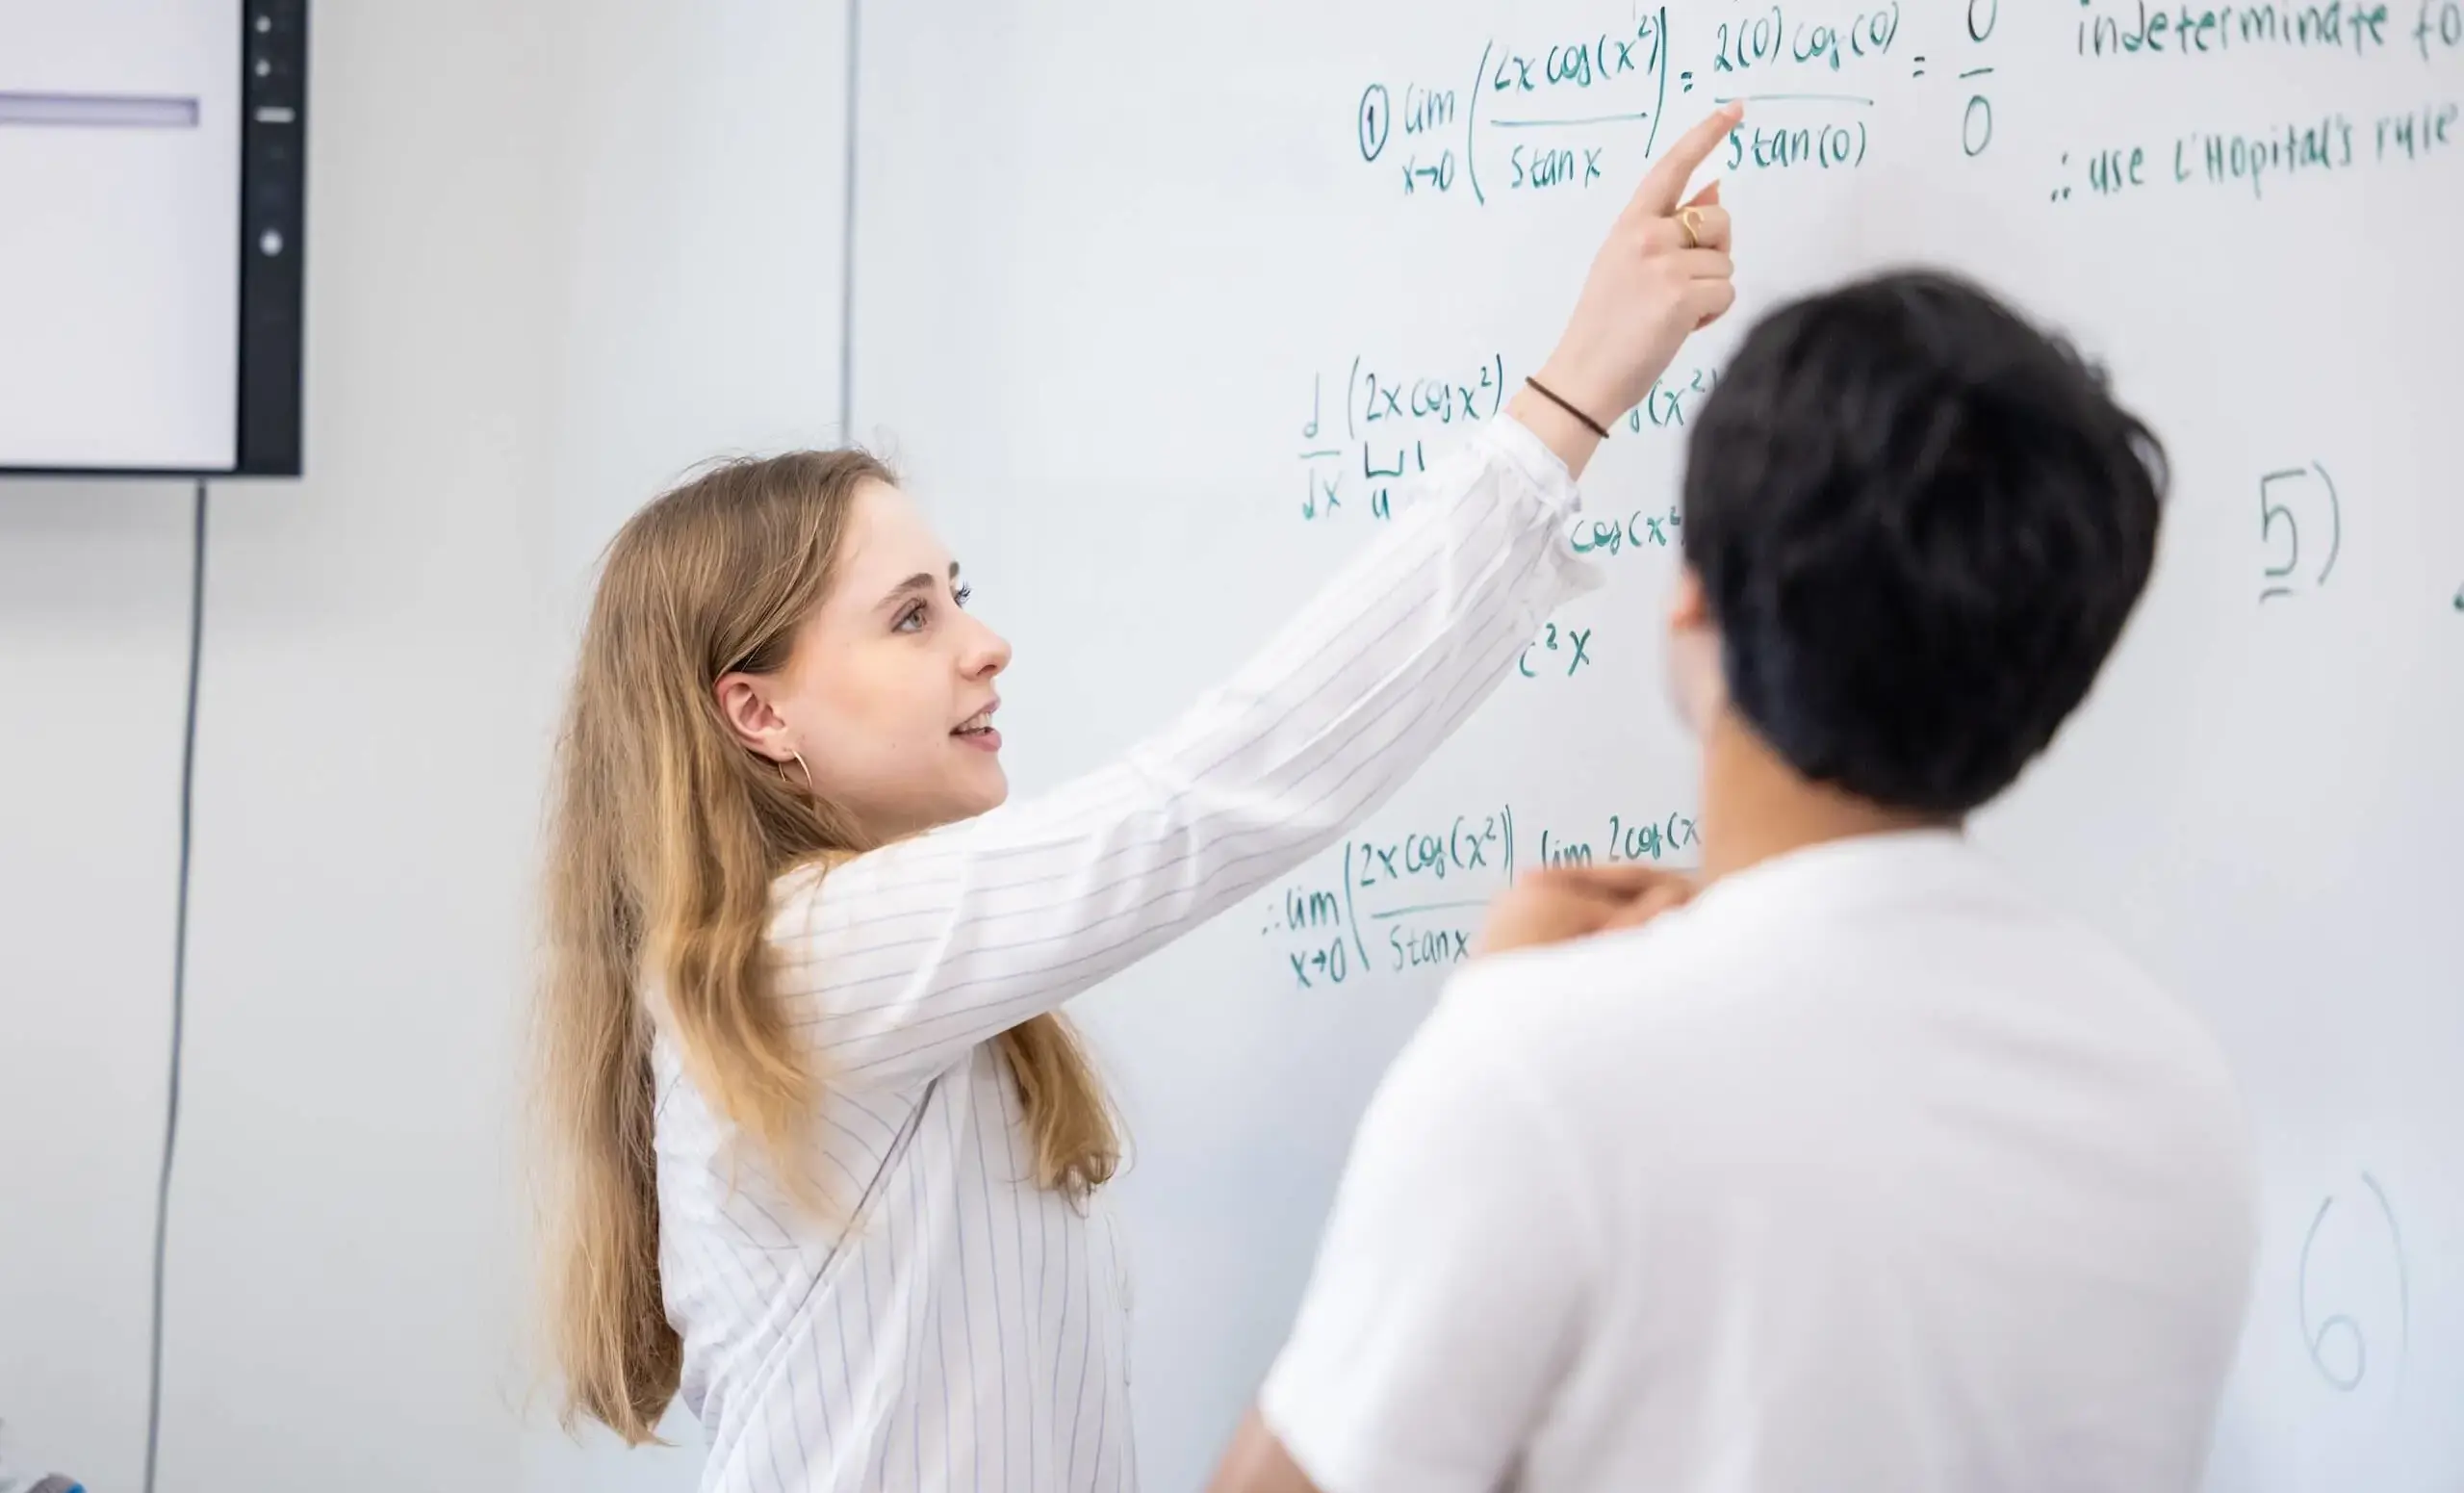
(2176, 1044)
(2163, 1022)
(1592, 1005)
(1686, 946)
(2167, 1060)
(2173, 1080)
(1555, 974)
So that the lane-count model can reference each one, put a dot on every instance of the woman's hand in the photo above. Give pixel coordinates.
(1647, 291)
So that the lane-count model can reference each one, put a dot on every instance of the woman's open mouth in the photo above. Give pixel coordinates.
(976, 730)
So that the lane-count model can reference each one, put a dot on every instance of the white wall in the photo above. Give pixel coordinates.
(559, 249)
(93, 620)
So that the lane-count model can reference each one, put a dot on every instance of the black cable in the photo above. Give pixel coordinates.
(179, 980)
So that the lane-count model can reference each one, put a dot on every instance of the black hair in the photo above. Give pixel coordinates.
(1920, 524)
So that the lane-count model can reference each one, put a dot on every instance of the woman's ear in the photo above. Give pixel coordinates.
(744, 703)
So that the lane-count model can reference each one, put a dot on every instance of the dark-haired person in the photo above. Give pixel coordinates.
(1858, 1168)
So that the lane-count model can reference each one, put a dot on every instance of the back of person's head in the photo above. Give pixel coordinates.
(1920, 524)
(666, 839)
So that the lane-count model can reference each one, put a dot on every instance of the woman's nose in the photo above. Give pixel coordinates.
(989, 653)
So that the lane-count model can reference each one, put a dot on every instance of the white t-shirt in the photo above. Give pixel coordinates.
(1864, 1171)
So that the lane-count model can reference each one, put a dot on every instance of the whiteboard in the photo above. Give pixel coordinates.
(1152, 302)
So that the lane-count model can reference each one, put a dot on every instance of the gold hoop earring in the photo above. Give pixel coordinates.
(801, 767)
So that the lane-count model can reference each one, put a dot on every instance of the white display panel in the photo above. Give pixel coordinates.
(119, 234)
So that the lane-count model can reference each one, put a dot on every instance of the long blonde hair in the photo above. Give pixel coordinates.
(666, 837)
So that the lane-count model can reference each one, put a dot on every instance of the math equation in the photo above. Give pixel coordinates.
(1371, 429)
(1542, 115)
(1387, 905)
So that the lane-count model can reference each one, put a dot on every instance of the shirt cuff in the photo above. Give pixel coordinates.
(1531, 457)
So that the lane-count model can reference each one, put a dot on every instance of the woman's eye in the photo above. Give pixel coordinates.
(961, 594)
(909, 620)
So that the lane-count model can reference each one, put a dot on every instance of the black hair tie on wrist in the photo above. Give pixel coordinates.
(1555, 398)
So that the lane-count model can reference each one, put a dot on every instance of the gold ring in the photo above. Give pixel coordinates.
(1685, 222)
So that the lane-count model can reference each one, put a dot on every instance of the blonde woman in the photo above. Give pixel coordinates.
(826, 1151)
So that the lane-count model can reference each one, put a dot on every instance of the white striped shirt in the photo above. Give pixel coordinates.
(969, 1329)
